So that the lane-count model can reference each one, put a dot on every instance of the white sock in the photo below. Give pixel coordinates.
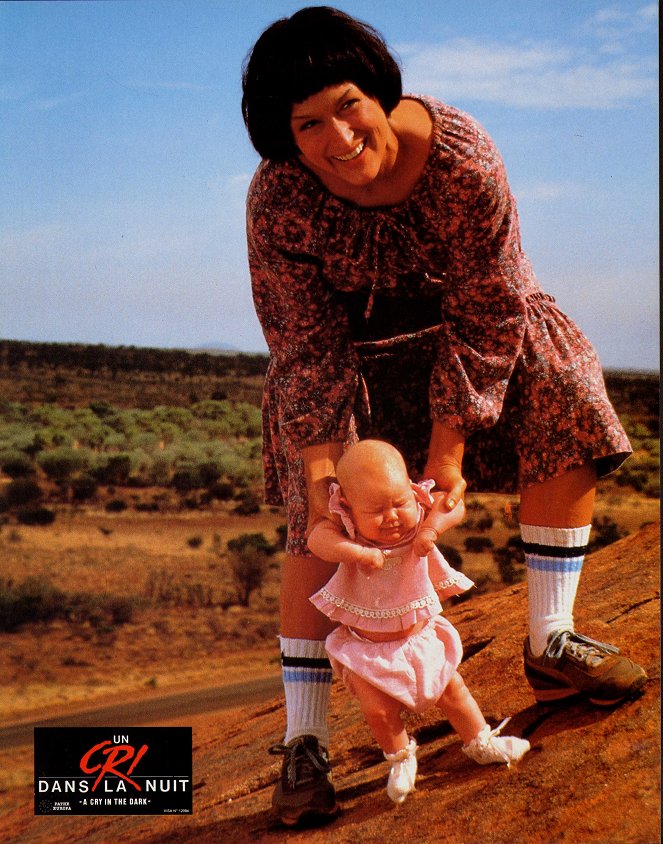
(554, 558)
(307, 677)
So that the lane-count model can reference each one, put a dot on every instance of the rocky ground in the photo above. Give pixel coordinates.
(593, 774)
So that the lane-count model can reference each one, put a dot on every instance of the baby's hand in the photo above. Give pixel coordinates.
(424, 541)
(372, 558)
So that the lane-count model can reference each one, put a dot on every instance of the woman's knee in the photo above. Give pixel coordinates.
(300, 578)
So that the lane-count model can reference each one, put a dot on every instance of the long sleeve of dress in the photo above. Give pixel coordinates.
(313, 368)
(488, 278)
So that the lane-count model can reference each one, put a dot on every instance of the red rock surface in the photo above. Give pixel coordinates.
(592, 774)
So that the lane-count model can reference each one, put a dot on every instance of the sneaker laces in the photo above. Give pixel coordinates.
(302, 762)
(581, 647)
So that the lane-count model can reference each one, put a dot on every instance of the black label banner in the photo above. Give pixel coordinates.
(113, 770)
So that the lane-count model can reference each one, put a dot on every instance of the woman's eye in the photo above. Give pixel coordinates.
(348, 104)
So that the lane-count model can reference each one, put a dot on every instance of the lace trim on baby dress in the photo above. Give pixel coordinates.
(450, 581)
(363, 612)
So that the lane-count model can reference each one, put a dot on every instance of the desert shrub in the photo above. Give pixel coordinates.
(194, 541)
(210, 472)
(478, 544)
(113, 470)
(157, 471)
(16, 464)
(510, 560)
(83, 487)
(16, 436)
(38, 600)
(22, 491)
(605, 531)
(116, 505)
(147, 507)
(100, 610)
(34, 600)
(102, 409)
(61, 463)
(162, 588)
(249, 503)
(36, 516)
(249, 558)
(282, 535)
(221, 490)
(252, 540)
(187, 479)
(227, 418)
(451, 555)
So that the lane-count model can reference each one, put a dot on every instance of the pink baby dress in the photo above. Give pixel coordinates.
(408, 589)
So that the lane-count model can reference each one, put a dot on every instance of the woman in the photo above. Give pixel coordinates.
(397, 303)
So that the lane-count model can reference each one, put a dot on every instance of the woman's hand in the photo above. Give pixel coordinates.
(319, 472)
(449, 480)
(318, 502)
(444, 465)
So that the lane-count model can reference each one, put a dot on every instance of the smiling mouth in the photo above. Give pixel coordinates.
(351, 155)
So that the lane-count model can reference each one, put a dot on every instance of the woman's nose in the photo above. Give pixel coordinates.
(342, 130)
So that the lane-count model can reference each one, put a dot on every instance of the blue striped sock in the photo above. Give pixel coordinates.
(554, 558)
(307, 677)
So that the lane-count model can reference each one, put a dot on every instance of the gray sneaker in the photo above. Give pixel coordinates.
(304, 792)
(574, 664)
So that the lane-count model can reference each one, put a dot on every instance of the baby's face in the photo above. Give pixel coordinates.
(384, 513)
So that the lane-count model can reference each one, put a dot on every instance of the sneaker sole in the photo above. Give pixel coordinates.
(309, 816)
(545, 691)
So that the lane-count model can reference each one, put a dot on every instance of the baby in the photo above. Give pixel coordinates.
(393, 649)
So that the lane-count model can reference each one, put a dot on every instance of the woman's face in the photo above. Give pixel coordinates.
(344, 137)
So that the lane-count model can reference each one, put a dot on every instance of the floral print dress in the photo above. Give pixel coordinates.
(380, 319)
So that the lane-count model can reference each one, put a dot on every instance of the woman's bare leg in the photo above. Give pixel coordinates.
(555, 521)
(563, 502)
(300, 578)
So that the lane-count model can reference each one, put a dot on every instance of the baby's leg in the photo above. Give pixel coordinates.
(461, 709)
(480, 743)
(382, 713)
(383, 716)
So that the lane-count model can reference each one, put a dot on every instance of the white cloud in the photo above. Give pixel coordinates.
(613, 22)
(542, 191)
(529, 74)
(51, 103)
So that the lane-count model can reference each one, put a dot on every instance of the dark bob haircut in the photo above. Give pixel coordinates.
(297, 57)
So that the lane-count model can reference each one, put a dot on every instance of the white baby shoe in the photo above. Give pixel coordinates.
(488, 746)
(403, 772)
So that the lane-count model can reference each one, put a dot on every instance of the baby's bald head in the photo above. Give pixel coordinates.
(370, 463)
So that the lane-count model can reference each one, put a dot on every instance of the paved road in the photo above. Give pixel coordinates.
(149, 712)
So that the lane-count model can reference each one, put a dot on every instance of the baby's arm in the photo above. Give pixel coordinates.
(436, 523)
(327, 541)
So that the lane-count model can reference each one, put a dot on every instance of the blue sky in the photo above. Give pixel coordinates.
(125, 161)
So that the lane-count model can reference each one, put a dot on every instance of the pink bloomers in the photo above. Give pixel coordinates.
(414, 670)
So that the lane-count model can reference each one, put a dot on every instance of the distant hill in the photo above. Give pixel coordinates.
(214, 348)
